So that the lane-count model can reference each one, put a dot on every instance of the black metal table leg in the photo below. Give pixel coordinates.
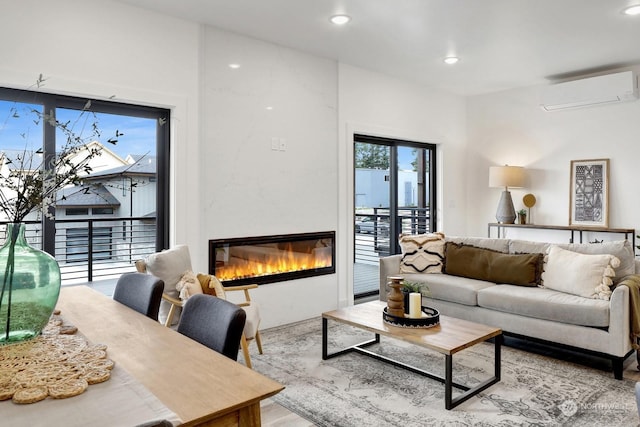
(449, 401)
(448, 381)
(357, 347)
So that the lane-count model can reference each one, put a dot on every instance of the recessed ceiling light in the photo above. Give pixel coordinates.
(234, 66)
(269, 108)
(451, 60)
(340, 19)
(632, 10)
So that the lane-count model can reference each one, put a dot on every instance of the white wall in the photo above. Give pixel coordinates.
(101, 49)
(510, 128)
(375, 104)
(248, 189)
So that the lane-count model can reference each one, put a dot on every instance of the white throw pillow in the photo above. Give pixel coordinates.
(170, 265)
(422, 253)
(585, 275)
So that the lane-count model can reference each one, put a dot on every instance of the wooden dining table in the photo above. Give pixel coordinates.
(202, 387)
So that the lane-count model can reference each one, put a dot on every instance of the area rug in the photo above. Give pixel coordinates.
(356, 390)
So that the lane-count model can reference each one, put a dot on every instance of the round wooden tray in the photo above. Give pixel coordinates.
(432, 319)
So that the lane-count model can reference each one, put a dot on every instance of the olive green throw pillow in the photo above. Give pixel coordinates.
(485, 264)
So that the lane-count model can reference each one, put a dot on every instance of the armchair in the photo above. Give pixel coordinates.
(171, 265)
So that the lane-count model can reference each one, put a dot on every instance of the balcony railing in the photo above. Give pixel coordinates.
(95, 249)
(372, 239)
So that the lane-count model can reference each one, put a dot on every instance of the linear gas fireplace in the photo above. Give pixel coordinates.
(268, 259)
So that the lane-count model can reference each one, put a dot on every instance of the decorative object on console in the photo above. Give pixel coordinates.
(522, 216)
(589, 193)
(422, 253)
(529, 201)
(506, 176)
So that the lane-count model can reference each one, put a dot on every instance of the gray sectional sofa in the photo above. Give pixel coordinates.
(596, 326)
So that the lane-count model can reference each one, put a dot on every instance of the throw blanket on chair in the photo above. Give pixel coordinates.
(632, 282)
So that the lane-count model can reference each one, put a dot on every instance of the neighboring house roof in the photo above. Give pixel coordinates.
(132, 158)
(94, 195)
(106, 159)
(145, 165)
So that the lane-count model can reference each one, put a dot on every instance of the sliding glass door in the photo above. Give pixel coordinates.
(393, 194)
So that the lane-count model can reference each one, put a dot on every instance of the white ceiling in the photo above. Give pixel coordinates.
(502, 43)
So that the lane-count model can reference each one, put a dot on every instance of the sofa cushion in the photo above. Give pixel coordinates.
(499, 245)
(545, 304)
(456, 289)
(485, 264)
(422, 253)
(585, 275)
(622, 249)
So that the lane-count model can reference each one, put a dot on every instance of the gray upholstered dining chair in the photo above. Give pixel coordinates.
(141, 292)
(213, 322)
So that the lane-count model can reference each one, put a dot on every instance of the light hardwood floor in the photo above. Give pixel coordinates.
(274, 415)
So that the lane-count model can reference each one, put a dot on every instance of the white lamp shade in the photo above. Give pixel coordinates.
(506, 176)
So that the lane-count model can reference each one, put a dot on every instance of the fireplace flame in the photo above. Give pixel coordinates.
(269, 261)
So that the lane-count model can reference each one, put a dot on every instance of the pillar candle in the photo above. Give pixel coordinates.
(415, 305)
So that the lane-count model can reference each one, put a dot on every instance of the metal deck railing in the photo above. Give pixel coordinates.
(95, 249)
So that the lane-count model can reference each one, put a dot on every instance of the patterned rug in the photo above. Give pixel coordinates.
(356, 390)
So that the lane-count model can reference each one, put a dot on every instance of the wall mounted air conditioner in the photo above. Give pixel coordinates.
(599, 90)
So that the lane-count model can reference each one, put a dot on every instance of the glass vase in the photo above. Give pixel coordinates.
(29, 287)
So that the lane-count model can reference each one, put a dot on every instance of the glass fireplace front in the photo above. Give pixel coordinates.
(269, 259)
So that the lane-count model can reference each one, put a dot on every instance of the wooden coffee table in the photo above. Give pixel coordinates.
(448, 338)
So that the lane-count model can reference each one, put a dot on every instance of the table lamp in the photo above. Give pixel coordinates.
(506, 176)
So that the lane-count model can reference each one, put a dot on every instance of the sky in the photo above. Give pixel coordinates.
(19, 130)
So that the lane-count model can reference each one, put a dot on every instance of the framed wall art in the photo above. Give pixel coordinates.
(589, 196)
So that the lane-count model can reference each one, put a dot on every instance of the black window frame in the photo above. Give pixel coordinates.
(51, 101)
(393, 144)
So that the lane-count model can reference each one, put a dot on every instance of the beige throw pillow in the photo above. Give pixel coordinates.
(188, 285)
(422, 253)
(585, 275)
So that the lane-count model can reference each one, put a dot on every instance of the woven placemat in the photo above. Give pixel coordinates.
(56, 364)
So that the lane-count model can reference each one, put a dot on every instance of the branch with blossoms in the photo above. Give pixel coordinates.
(30, 181)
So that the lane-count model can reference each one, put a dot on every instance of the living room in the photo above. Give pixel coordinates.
(222, 131)
(227, 181)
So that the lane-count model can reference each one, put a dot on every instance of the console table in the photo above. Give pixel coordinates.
(571, 228)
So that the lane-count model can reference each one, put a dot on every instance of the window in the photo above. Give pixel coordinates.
(131, 178)
(102, 211)
(76, 211)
